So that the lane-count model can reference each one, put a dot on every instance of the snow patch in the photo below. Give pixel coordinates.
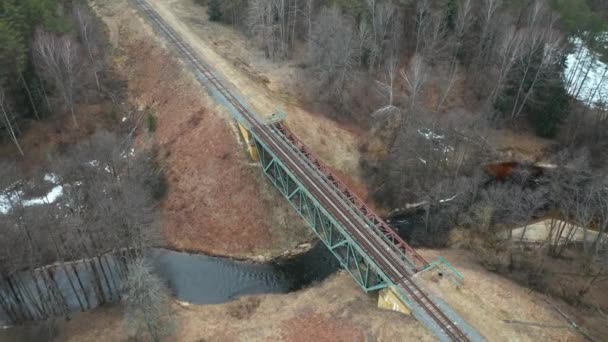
(6, 198)
(10, 197)
(577, 62)
(430, 135)
(448, 199)
(51, 178)
(49, 198)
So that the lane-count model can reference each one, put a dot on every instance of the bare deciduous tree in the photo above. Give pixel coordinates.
(489, 9)
(88, 33)
(414, 78)
(148, 308)
(332, 49)
(59, 59)
(540, 49)
(8, 120)
(382, 18)
(509, 51)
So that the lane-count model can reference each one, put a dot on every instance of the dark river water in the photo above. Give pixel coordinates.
(197, 278)
(406, 225)
(202, 279)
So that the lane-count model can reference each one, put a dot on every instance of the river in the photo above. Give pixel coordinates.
(202, 279)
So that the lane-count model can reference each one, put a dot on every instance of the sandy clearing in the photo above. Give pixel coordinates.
(539, 232)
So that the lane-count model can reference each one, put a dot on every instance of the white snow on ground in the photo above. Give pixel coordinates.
(7, 197)
(448, 199)
(581, 57)
(131, 153)
(437, 139)
(430, 135)
(49, 198)
(16, 196)
(51, 178)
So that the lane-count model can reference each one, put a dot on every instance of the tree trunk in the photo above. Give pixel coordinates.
(112, 276)
(5, 305)
(34, 307)
(29, 95)
(84, 290)
(59, 296)
(9, 126)
(19, 300)
(39, 291)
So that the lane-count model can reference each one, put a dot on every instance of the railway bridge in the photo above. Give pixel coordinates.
(367, 247)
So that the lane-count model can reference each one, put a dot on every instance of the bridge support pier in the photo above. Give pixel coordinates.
(389, 300)
(251, 146)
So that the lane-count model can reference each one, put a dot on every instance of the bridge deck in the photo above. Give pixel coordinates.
(394, 259)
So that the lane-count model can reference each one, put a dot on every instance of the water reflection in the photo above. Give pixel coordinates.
(193, 278)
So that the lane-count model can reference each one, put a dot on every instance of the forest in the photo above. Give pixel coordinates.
(429, 82)
(86, 214)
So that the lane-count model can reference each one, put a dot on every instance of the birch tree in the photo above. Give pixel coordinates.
(509, 51)
(332, 50)
(382, 18)
(540, 49)
(59, 59)
(489, 10)
(88, 35)
(9, 121)
(462, 26)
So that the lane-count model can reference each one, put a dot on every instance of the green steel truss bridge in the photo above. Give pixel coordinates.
(367, 247)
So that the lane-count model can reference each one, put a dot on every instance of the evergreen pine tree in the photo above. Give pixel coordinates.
(214, 10)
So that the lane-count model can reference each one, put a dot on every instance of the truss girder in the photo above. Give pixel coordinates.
(352, 258)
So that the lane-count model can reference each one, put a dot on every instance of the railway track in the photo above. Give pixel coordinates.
(372, 235)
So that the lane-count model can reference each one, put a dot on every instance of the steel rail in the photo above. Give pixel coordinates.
(388, 232)
(356, 228)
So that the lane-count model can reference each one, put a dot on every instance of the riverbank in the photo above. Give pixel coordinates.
(192, 278)
(279, 256)
(335, 310)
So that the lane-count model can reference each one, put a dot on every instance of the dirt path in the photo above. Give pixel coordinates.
(265, 85)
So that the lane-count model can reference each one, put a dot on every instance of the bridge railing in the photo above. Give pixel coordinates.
(380, 228)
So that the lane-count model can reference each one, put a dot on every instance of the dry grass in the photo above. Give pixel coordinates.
(266, 85)
(488, 300)
(521, 146)
(336, 310)
(218, 201)
(57, 131)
